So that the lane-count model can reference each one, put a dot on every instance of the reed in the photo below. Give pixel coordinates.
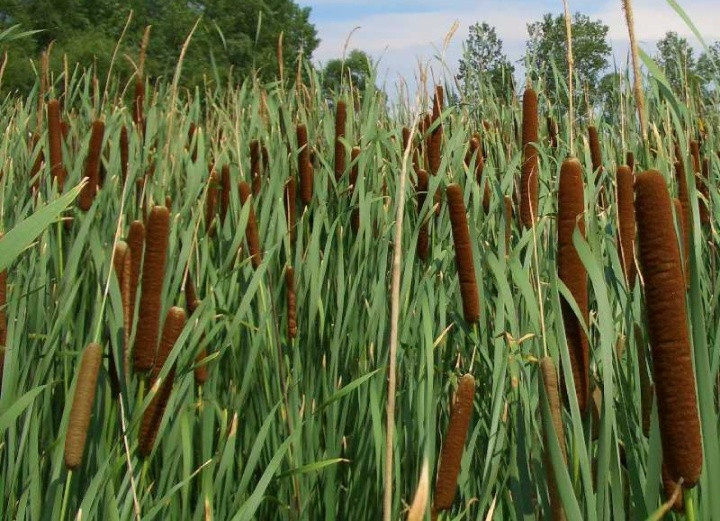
(667, 326)
(153, 275)
(92, 166)
(571, 270)
(138, 104)
(463, 254)
(529, 184)
(82, 406)
(626, 223)
(251, 230)
(453, 445)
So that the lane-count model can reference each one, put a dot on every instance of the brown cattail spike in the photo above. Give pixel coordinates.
(174, 323)
(453, 444)
(571, 270)
(57, 170)
(667, 325)
(138, 103)
(92, 166)
(436, 137)
(122, 265)
(124, 152)
(552, 129)
(291, 303)
(463, 254)
(549, 382)
(251, 230)
(626, 224)
(153, 274)
(529, 184)
(595, 151)
(423, 240)
(82, 406)
(630, 161)
(340, 129)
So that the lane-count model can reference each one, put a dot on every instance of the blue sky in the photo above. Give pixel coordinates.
(399, 33)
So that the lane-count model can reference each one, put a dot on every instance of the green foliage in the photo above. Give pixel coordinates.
(484, 62)
(238, 37)
(547, 51)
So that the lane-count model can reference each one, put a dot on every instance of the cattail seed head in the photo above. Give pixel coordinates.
(82, 406)
(291, 302)
(630, 161)
(436, 137)
(251, 230)
(92, 166)
(529, 184)
(124, 152)
(595, 152)
(571, 270)
(340, 129)
(57, 169)
(667, 325)
(453, 444)
(423, 240)
(549, 382)
(626, 224)
(153, 275)
(552, 129)
(138, 103)
(463, 254)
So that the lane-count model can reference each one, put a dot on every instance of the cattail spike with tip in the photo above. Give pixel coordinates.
(463, 254)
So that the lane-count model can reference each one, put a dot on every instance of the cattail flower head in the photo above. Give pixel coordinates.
(153, 274)
(672, 366)
(124, 152)
(626, 224)
(92, 166)
(453, 444)
(463, 254)
(595, 151)
(251, 230)
(423, 240)
(57, 169)
(340, 129)
(571, 271)
(82, 406)
(529, 184)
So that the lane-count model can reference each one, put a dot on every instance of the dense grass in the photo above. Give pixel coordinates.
(294, 428)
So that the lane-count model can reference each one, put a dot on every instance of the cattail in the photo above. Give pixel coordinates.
(572, 272)
(255, 166)
(138, 103)
(436, 137)
(670, 486)
(124, 152)
(211, 200)
(423, 240)
(39, 160)
(305, 167)
(290, 202)
(224, 191)
(122, 265)
(549, 382)
(508, 222)
(552, 129)
(340, 128)
(463, 254)
(355, 215)
(595, 152)
(291, 303)
(669, 339)
(136, 241)
(453, 444)
(626, 224)
(92, 166)
(251, 230)
(702, 187)
(630, 161)
(529, 184)
(695, 156)
(82, 406)
(153, 274)
(174, 324)
(57, 170)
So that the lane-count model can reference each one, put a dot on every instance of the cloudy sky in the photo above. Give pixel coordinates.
(401, 32)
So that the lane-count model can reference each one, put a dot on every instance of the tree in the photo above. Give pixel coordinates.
(484, 62)
(356, 68)
(547, 48)
(677, 58)
(231, 35)
(708, 68)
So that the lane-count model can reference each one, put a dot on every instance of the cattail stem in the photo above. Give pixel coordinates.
(637, 77)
